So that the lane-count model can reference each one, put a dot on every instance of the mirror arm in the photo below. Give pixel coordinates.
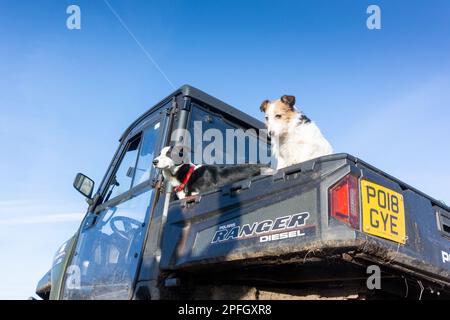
(92, 202)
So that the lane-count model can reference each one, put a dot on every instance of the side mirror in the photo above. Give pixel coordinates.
(84, 185)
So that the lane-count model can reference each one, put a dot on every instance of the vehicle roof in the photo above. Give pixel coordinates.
(196, 94)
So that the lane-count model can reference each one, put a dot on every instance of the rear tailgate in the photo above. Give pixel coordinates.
(424, 246)
(286, 215)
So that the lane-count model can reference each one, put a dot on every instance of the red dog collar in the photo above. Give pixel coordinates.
(185, 180)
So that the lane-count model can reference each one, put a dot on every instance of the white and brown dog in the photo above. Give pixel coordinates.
(295, 138)
(188, 179)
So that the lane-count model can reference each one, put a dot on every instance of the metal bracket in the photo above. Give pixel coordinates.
(190, 201)
(235, 188)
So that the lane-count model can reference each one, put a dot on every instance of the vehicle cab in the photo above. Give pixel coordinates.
(115, 254)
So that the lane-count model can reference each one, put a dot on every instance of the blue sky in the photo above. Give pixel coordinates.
(67, 95)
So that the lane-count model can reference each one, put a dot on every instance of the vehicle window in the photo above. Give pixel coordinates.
(146, 155)
(136, 164)
(123, 177)
(227, 149)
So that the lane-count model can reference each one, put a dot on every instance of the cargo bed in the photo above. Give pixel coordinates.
(193, 239)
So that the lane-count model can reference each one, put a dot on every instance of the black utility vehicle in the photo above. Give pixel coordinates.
(309, 231)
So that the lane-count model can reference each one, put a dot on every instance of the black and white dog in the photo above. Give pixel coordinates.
(190, 179)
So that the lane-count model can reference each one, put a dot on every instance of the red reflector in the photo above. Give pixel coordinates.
(345, 201)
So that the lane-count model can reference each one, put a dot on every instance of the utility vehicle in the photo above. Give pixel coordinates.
(316, 230)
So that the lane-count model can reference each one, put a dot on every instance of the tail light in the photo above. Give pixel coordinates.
(344, 201)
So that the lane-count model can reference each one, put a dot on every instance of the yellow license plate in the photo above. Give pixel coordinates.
(383, 212)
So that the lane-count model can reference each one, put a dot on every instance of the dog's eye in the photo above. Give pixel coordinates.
(278, 116)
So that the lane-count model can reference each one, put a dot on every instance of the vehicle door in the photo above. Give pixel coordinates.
(106, 259)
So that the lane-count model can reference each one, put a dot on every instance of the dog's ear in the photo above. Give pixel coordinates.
(289, 100)
(176, 154)
(181, 154)
(264, 105)
(169, 151)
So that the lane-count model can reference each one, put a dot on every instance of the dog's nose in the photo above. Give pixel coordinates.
(155, 162)
(271, 133)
